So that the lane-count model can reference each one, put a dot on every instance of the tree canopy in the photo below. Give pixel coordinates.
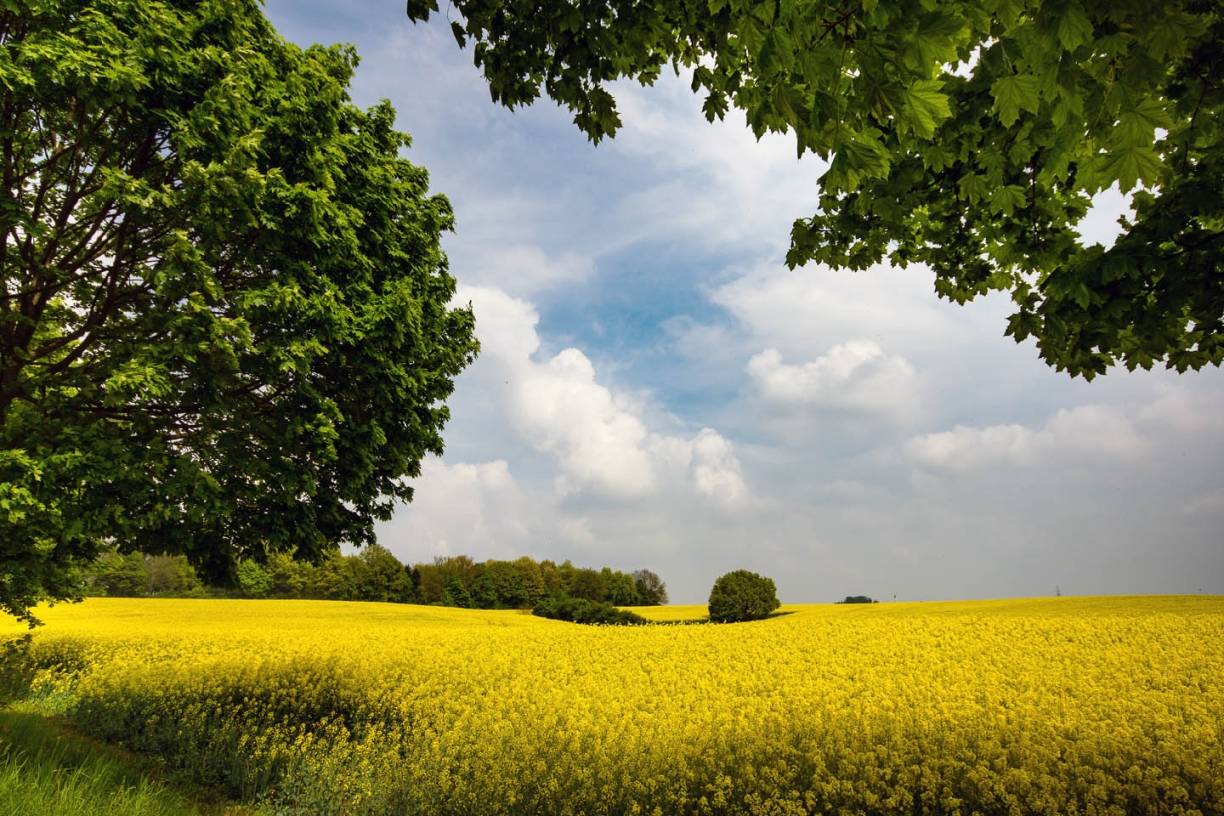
(224, 320)
(969, 136)
(741, 595)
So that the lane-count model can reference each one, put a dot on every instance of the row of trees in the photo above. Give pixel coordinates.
(375, 574)
(460, 581)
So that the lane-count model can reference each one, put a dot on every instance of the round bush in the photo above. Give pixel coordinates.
(742, 596)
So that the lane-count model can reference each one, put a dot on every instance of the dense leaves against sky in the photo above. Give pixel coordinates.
(968, 135)
(741, 595)
(224, 327)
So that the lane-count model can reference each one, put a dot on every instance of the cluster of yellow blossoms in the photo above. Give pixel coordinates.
(1053, 706)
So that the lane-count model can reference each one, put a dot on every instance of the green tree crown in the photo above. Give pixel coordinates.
(224, 319)
(741, 595)
(968, 135)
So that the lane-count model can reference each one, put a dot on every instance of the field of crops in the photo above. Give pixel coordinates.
(1054, 706)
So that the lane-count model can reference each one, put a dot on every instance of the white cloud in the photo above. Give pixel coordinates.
(597, 435)
(965, 448)
(501, 247)
(715, 179)
(1180, 410)
(527, 269)
(797, 310)
(1084, 433)
(857, 375)
(850, 490)
(597, 439)
(716, 470)
(492, 517)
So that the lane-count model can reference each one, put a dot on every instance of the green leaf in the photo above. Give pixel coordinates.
(1130, 166)
(974, 188)
(1136, 127)
(859, 155)
(777, 53)
(1007, 199)
(715, 106)
(1074, 27)
(934, 42)
(1013, 94)
(1171, 35)
(925, 106)
(1008, 11)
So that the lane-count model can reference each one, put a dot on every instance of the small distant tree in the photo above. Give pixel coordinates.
(590, 584)
(430, 584)
(288, 578)
(742, 596)
(119, 575)
(457, 594)
(550, 576)
(857, 599)
(532, 578)
(502, 585)
(650, 588)
(622, 591)
(484, 594)
(253, 579)
(379, 576)
(333, 579)
(172, 575)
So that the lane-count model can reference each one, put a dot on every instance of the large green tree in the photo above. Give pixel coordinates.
(224, 320)
(969, 135)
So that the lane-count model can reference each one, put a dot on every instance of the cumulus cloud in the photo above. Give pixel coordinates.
(857, 375)
(492, 517)
(1081, 433)
(596, 434)
(715, 469)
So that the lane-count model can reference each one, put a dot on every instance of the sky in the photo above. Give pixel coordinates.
(657, 390)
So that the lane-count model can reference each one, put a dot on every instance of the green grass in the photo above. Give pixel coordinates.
(47, 769)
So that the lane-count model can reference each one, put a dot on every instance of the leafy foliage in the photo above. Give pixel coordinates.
(375, 574)
(651, 591)
(966, 135)
(224, 327)
(522, 583)
(119, 575)
(741, 595)
(580, 610)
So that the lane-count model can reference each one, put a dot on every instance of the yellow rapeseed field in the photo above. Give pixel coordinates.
(1051, 706)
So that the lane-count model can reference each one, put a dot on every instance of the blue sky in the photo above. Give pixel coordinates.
(657, 389)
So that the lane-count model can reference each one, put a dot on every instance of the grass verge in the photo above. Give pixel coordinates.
(47, 769)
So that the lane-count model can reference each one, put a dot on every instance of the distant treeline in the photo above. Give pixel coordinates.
(374, 574)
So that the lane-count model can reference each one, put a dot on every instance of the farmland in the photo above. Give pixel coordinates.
(1067, 705)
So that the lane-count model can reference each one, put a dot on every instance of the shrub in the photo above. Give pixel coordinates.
(742, 596)
(856, 599)
(582, 610)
